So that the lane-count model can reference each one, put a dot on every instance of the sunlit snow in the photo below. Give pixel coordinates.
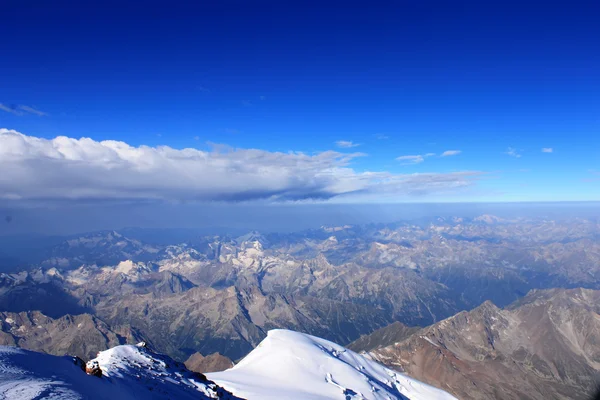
(292, 365)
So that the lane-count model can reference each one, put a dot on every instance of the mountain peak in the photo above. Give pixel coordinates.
(292, 365)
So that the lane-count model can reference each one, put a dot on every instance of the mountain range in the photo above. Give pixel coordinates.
(363, 286)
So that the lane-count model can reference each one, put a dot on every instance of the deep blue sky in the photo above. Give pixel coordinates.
(397, 77)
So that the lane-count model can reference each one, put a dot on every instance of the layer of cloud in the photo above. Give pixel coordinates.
(21, 110)
(346, 144)
(547, 150)
(513, 152)
(448, 153)
(64, 168)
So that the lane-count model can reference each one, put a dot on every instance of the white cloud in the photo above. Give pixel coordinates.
(411, 159)
(547, 149)
(346, 144)
(414, 159)
(450, 153)
(32, 110)
(64, 168)
(513, 152)
(21, 110)
(12, 110)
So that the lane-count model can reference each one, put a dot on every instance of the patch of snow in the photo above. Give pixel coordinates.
(429, 340)
(125, 267)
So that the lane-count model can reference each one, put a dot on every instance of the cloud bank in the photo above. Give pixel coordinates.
(64, 168)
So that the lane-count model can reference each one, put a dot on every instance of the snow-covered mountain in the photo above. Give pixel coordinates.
(296, 366)
(286, 365)
(128, 372)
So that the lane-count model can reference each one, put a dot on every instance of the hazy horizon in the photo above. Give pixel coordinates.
(229, 218)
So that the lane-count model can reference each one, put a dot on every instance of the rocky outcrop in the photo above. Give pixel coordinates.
(93, 368)
(211, 363)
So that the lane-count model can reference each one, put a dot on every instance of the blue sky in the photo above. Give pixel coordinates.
(497, 82)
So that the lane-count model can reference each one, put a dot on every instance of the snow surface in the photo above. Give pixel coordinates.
(295, 366)
(129, 372)
(286, 365)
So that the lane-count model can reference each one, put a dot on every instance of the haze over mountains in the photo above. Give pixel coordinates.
(373, 285)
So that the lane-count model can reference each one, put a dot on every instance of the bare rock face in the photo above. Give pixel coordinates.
(545, 346)
(212, 363)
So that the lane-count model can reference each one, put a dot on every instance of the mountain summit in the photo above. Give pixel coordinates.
(296, 366)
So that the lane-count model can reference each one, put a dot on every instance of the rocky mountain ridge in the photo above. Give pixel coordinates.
(81, 335)
(544, 346)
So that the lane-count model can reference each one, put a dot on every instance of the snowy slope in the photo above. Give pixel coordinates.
(129, 372)
(296, 366)
(286, 365)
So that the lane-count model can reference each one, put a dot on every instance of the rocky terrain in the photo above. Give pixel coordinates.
(81, 335)
(544, 346)
(388, 335)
